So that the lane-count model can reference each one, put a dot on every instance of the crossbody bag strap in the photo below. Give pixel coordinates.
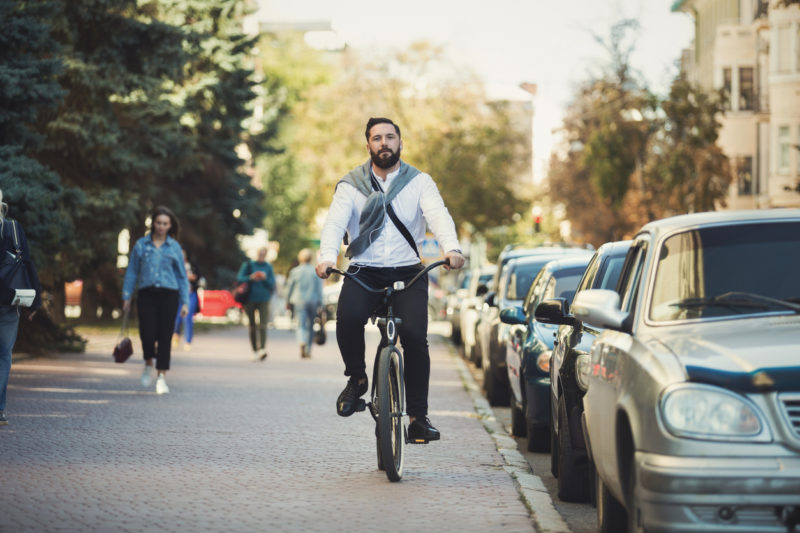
(397, 222)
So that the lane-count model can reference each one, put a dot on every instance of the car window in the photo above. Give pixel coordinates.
(566, 281)
(591, 271)
(536, 288)
(727, 270)
(519, 281)
(609, 275)
(635, 266)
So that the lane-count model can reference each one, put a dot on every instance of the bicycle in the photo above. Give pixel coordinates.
(387, 396)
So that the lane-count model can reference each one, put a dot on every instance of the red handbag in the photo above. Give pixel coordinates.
(124, 348)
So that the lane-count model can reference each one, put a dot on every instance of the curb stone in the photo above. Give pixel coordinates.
(530, 487)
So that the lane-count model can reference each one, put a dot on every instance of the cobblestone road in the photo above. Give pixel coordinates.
(236, 446)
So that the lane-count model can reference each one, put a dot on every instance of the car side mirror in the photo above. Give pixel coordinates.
(512, 315)
(482, 289)
(554, 311)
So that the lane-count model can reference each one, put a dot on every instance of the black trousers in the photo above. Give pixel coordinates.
(354, 309)
(157, 309)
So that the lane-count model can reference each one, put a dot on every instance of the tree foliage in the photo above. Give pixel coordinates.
(629, 157)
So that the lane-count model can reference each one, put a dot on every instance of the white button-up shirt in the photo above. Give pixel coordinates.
(417, 203)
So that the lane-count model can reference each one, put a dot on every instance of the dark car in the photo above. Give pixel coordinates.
(491, 344)
(569, 461)
(529, 347)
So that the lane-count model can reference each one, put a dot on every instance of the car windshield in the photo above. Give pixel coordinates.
(726, 271)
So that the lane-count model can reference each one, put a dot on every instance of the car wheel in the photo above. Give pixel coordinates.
(634, 512)
(475, 355)
(233, 314)
(611, 515)
(573, 478)
(553, 445)
(496, 391)
(538, 438)
(518, 425)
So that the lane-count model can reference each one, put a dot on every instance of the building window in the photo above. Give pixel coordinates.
(784, 148)
(746, 89)
(744, 175)
(727, 86)
(784, 50)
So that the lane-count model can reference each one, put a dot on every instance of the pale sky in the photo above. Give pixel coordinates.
(509, 42)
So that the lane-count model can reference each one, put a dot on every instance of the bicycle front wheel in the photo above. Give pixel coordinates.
(391, 399)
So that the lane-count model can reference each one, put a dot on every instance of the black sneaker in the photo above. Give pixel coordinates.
(3, 419)
(420, 431)
(348, 400)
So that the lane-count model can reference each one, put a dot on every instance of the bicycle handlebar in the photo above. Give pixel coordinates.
(366, 287)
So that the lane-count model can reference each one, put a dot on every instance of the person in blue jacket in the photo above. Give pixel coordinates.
(11, 241)
(260, 276)
(305, 297)
(156, 268)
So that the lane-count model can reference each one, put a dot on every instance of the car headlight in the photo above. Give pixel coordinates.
(543, 361)
(706, 412)
(583, 369)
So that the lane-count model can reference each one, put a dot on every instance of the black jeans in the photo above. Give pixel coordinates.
(354, 309)
(157, 309)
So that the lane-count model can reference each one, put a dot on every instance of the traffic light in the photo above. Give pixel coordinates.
(537, 223)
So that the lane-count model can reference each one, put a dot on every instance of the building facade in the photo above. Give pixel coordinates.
(751, 50)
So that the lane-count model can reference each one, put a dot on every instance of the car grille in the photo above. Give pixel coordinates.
(791, 410)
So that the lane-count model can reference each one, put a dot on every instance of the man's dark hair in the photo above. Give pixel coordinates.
(380, 120)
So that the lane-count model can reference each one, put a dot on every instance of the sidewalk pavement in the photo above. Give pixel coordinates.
(245, 446)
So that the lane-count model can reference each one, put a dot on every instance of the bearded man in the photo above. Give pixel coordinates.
(383, 207)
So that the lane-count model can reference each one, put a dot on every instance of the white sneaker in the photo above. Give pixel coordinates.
(147, 376)
(161, 385)
(256, 356)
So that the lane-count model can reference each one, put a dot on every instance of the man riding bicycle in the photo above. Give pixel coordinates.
(383, 206)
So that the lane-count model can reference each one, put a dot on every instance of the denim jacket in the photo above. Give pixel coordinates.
(160, 267)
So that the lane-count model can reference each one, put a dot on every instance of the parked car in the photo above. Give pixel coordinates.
(568, 459)
(330, 298)
(470, 310)
(219, 303)
(455, 294)
(692, 408)
(530, 345)
(490, 330)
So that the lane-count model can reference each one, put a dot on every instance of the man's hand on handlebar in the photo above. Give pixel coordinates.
(322, 269)
(455, 258)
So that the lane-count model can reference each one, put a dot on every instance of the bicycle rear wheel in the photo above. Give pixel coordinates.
(391, 399)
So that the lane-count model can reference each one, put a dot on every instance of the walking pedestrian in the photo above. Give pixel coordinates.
(13, 242)
(305, 297)
(156, 268)
(384, 206)
(185, 324)
(260, 276)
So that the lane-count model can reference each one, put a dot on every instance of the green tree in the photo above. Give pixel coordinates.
(473, 149)
(687, 171)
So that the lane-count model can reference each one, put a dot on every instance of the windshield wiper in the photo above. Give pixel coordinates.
(737, 299)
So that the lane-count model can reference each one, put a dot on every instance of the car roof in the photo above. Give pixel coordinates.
(615, 247)
(546, 258)
(568, 262)
(665, 225)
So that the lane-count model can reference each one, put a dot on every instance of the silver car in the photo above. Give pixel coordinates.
(692, 405)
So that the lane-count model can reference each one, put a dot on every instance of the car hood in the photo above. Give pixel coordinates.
(748, 355)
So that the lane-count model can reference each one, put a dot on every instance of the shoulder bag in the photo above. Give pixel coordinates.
(124, 348)
(15, 283)
(242, 291)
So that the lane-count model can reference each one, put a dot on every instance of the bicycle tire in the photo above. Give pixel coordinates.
(391, 432)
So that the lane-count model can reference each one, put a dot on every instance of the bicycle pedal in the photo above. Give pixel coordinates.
(416, 441)
(361, 405)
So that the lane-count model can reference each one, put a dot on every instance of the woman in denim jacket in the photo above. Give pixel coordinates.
(9, 314)
(156, 268)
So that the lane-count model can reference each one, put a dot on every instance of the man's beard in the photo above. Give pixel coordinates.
(385, 162)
